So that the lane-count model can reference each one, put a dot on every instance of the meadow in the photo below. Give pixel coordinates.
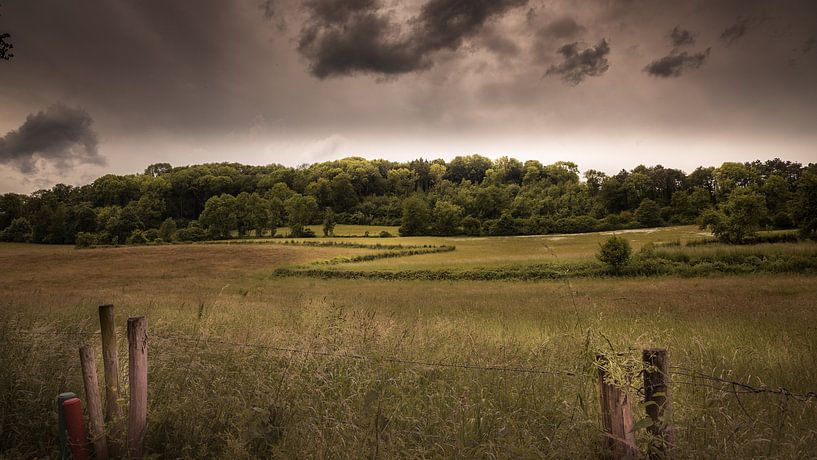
(245, 364)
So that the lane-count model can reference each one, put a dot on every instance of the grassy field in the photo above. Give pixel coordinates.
(217, 389)
(488, 251)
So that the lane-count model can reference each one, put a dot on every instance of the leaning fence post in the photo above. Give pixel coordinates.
(97, 425)
(138, 379)
(110, 362)
(616, 416)
(658, 400)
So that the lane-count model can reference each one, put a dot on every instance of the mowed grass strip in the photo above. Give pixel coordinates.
(216, 391)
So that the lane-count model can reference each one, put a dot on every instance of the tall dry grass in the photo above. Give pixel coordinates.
(212, 397)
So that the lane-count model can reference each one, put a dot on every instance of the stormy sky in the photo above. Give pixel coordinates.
(111, 86)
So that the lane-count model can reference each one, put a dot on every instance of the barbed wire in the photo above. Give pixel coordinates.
(709, 381)
(358, 357)
(737, 387)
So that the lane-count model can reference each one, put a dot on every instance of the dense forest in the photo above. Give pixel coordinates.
(470, 195)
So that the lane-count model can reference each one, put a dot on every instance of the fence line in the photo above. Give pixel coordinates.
(738, 387)
(390, 359)
(716, 382)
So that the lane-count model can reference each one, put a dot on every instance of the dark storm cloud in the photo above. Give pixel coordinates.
(59, 135)
(734, 32)
(561, 28)
(344, 37)
(580, 64)
(681, 37)
(676, 63)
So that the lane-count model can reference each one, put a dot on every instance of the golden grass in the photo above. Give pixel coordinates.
(210, 399)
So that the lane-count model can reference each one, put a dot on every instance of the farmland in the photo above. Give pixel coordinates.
(224, 331)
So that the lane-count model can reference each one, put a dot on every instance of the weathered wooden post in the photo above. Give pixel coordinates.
(92, 398)
(616, 417)
(110, 362)
(138, 379)
(658, 400)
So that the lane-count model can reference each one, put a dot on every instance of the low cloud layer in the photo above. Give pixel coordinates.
(580, 64)
(346, 37)
(676, 63)
(59, 135)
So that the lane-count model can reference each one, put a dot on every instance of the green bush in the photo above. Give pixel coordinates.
(151, 234)
(85, 240)
(385, 234)
(19, 231)
(193, 232)
(615, 252)
(137, 237)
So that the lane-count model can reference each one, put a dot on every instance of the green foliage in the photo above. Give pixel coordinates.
(192, 232)
(805, 204)
(469, 195)
(137, 238)
(167, 230)
(415, 216)
(300, 211)
(85, 240)
(446, 218)
(738, 218)
(19, 231)
(615, 252)
(220, 215)
(648, 213)
(329, 222)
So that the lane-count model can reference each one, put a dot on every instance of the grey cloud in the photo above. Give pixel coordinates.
(345, 37)
(561, 28)
(499, 44)
(676, 63)
(268, 8)
(681, 37)
(5, 47)
(580, 64)
(734, 32)
(60, 135)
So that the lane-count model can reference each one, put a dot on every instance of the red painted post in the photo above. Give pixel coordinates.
(76, 429)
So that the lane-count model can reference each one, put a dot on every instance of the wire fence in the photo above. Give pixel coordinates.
(688, 377)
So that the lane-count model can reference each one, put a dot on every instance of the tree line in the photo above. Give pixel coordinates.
(470, 195)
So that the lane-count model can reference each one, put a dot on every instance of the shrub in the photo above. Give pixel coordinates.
(151, 234)
(167, 229)
(615, 252)
(193, 232)
(471, 226)
(137, 237)
(302, 232)
(19, 231)
(385, 234)
(85, 240)
(648, 213)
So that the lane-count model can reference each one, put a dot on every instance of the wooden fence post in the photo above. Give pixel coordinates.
(616, 417)
(110, 362)
(138, 379)
(97, 425)
(658, 400)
